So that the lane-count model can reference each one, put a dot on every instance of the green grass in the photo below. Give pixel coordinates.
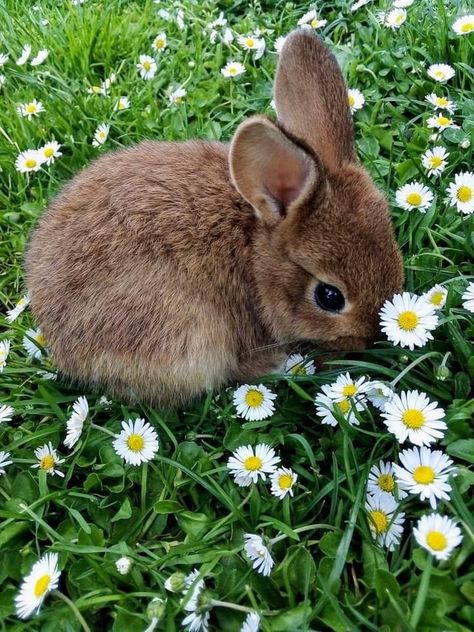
(182, 510)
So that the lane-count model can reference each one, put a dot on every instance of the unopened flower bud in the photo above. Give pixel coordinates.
(175, 582)
(156, 609)
(442, 373)
(465, 144)
(123, 565)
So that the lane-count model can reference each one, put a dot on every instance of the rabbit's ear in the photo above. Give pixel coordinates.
(311, 98)
(273, 173)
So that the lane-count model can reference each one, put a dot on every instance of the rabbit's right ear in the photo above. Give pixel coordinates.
(311, 98)
(271, 171)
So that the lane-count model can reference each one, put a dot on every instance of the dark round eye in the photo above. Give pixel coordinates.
(328, 297)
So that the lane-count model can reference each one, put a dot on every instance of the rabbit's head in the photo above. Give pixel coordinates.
(325, 252)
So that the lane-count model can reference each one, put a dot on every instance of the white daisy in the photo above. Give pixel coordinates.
(4, 351)
(283, 480)
(48, 459)
(3, 59)
(345, 387)
(4, 461)
(29, 160)
(385, 525)
(279, 43)
(123, 103)
(441, 103)
(414, 196)
(2, 80)
(331, 410)
(6, 413)
(378, 394)
(177, 96)
(198, 617)
(407, 320)
(42, 579)
(441, 122)
(412, 416)
(435, 160)
(382, 480)
(296, 364)
(34, 342)
(359, 4)
(233, 69)
(28, 110)
(256, 550)
(123, 565)
(101, 134)
(254, 402)
(436, 296)
(464, 25)
(41, 55)
(402, 4)
(468, 297)
(137, 443)
(12, 314)
(251, 623)
(461, 192)
(147, 67)
(426, 473)
(437, 534)
(49, 152)
(160, 42)
(395, 18)
(247, 466)
(356, 99)
(95, 90)
(253, 43)
(311, 18)
(75, 423)
(25, 53)
(440, 72)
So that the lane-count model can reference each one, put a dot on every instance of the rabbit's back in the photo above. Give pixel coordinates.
(138, 270)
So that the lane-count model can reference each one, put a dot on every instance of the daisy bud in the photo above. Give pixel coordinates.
(465, 144)
(191, 63)
(123, 565)
(442, 373)
(175, 582)
(156, 609)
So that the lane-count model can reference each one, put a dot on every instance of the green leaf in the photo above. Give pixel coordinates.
(295, 619)
(167, 507)
(329, 543)
(124, 512)
(385, 582)
(462, 449)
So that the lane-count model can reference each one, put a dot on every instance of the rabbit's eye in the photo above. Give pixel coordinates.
(329, 297)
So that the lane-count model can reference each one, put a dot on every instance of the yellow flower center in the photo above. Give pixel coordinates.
(3, 355)
(31, 108)
(146, 65)
(424, 474)
(351, 100)
(159, 42)
(135, 442)
(439, 74)
(315, 23)
(443, 121)
(253, 463)
(467, 27)
(386, 482)
(441, 102)
(40, 339)
(464, 194)
(413, 418)
(30, 163)
(437, 298)
(435, 161)
(42, 585)
(349, 390)
(343, 406)
(408, 320)
(250, 42)
(399, 19)
(96, 89)
(298, 369)
(379, 521)
(232, 70)
(102, 135)
(47, 462)
(414, 198)
(178, 100)
(436, 540)
(285, 481)
(48, 152)
(253, 398)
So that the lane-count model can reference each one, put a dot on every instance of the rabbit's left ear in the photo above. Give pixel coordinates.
(311, 98)
(271, 171)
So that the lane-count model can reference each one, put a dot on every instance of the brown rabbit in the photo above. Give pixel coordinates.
(167, 269)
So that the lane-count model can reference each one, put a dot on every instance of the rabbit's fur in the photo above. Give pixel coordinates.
(167, 269)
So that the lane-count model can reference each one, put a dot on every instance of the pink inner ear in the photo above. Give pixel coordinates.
(284, 174)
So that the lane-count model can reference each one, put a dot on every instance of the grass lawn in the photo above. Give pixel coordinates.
(343, 551)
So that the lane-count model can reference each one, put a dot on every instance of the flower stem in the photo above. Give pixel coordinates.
(308, 527)
(422, 593)
(102, 429)
(228, 604)
(411, 365)
(74, 609)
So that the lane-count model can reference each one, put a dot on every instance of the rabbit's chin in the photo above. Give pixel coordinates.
(345, 343)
